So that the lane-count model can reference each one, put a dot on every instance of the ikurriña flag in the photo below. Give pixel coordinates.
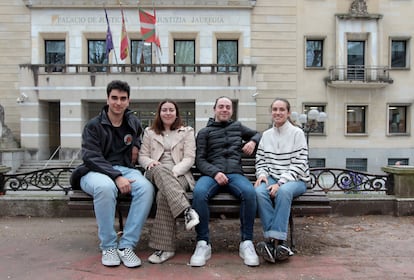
(148, 31)
(124, 46)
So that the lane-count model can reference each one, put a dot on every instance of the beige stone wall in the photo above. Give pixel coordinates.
(15, 49)
(274, 44)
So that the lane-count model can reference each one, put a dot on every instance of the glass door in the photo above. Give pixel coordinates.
(356, 60)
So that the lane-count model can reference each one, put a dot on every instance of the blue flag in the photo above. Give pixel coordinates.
(109, 42)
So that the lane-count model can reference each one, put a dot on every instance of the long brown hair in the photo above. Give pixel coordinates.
(158, 126)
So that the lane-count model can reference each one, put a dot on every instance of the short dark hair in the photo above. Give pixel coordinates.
(221, 97)
(157, 124)
(119, 85)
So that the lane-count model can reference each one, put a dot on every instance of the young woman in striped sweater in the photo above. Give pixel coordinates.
(282, 172)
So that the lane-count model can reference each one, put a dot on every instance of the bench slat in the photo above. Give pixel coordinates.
(223, 204)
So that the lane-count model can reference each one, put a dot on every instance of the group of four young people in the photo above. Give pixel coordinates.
(111, 147)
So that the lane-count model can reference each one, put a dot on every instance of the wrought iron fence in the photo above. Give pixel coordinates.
(47, 179)
(348, 181)
(328, 180)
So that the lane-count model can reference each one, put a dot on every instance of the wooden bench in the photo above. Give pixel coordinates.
(308, 204)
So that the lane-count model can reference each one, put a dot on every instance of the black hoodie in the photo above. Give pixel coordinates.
(97, 140)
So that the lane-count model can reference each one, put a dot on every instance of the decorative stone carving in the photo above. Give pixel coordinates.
(358, 8)
(6, 137)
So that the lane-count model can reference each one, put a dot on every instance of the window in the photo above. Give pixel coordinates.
(318, 127)
(314, 53)
(399, 54)
(397, 119)
(227, 54)
(97, 55)
(359, 164)
(355, 119)
(317, 163)
(141, 53)
(398, 161)
(54, 54)
(184, 53)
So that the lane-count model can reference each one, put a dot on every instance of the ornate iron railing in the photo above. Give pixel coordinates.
(322, 179)
(46, 179)
(348, 181)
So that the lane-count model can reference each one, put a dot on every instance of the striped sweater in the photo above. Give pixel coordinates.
(283, 154)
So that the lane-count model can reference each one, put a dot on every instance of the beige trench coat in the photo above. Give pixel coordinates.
(182, 151)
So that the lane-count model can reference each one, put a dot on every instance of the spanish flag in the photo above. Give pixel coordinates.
(124, 48)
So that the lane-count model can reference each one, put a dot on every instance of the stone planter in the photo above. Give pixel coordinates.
(403, 176)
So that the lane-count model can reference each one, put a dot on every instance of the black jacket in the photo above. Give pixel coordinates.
(219, 147)
(97, 138)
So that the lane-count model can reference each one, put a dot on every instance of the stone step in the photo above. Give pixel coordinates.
(31, 165)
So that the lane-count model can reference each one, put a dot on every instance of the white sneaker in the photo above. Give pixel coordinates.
(191, 218)
(110, 257)
(128, 257)
(160, 256)
(248, 253)
(201, 254)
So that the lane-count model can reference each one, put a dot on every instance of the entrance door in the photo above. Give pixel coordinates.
(146, 110)
(356, 60)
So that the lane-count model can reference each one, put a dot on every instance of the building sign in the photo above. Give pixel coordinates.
(81, 20)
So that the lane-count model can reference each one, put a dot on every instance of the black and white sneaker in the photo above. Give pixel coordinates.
(191, 218)
(266, 251)
(282, 251)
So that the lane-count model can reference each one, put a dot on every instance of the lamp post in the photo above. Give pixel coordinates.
(309, 121)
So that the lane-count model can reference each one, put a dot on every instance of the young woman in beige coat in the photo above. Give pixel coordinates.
(167, 154)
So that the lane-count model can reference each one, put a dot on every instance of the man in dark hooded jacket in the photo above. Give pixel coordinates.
(110, 145)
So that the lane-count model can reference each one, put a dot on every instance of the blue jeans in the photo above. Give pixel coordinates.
(239, 186)
(105, 192)
(274, 213)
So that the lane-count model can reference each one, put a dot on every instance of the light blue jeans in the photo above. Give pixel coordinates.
(239, 186)
(105, 192)
(274, 213)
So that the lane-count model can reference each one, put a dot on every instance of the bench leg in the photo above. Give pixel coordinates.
(120, 219)
(292, 229)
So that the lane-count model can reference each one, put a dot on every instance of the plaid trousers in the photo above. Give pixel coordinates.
(171, 202)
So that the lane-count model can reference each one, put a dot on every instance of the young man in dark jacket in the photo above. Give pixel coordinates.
(219, 149)
(110, 145)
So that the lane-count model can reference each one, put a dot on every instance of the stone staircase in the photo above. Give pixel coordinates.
(32, 165)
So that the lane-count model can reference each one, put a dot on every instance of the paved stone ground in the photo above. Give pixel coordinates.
(366, 247)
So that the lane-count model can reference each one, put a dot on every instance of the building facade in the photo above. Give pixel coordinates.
(350, 59)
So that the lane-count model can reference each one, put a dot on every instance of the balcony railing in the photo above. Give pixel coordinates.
(359, 73)
(136, 68)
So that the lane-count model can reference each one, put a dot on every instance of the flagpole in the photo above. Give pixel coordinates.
(107, 22)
